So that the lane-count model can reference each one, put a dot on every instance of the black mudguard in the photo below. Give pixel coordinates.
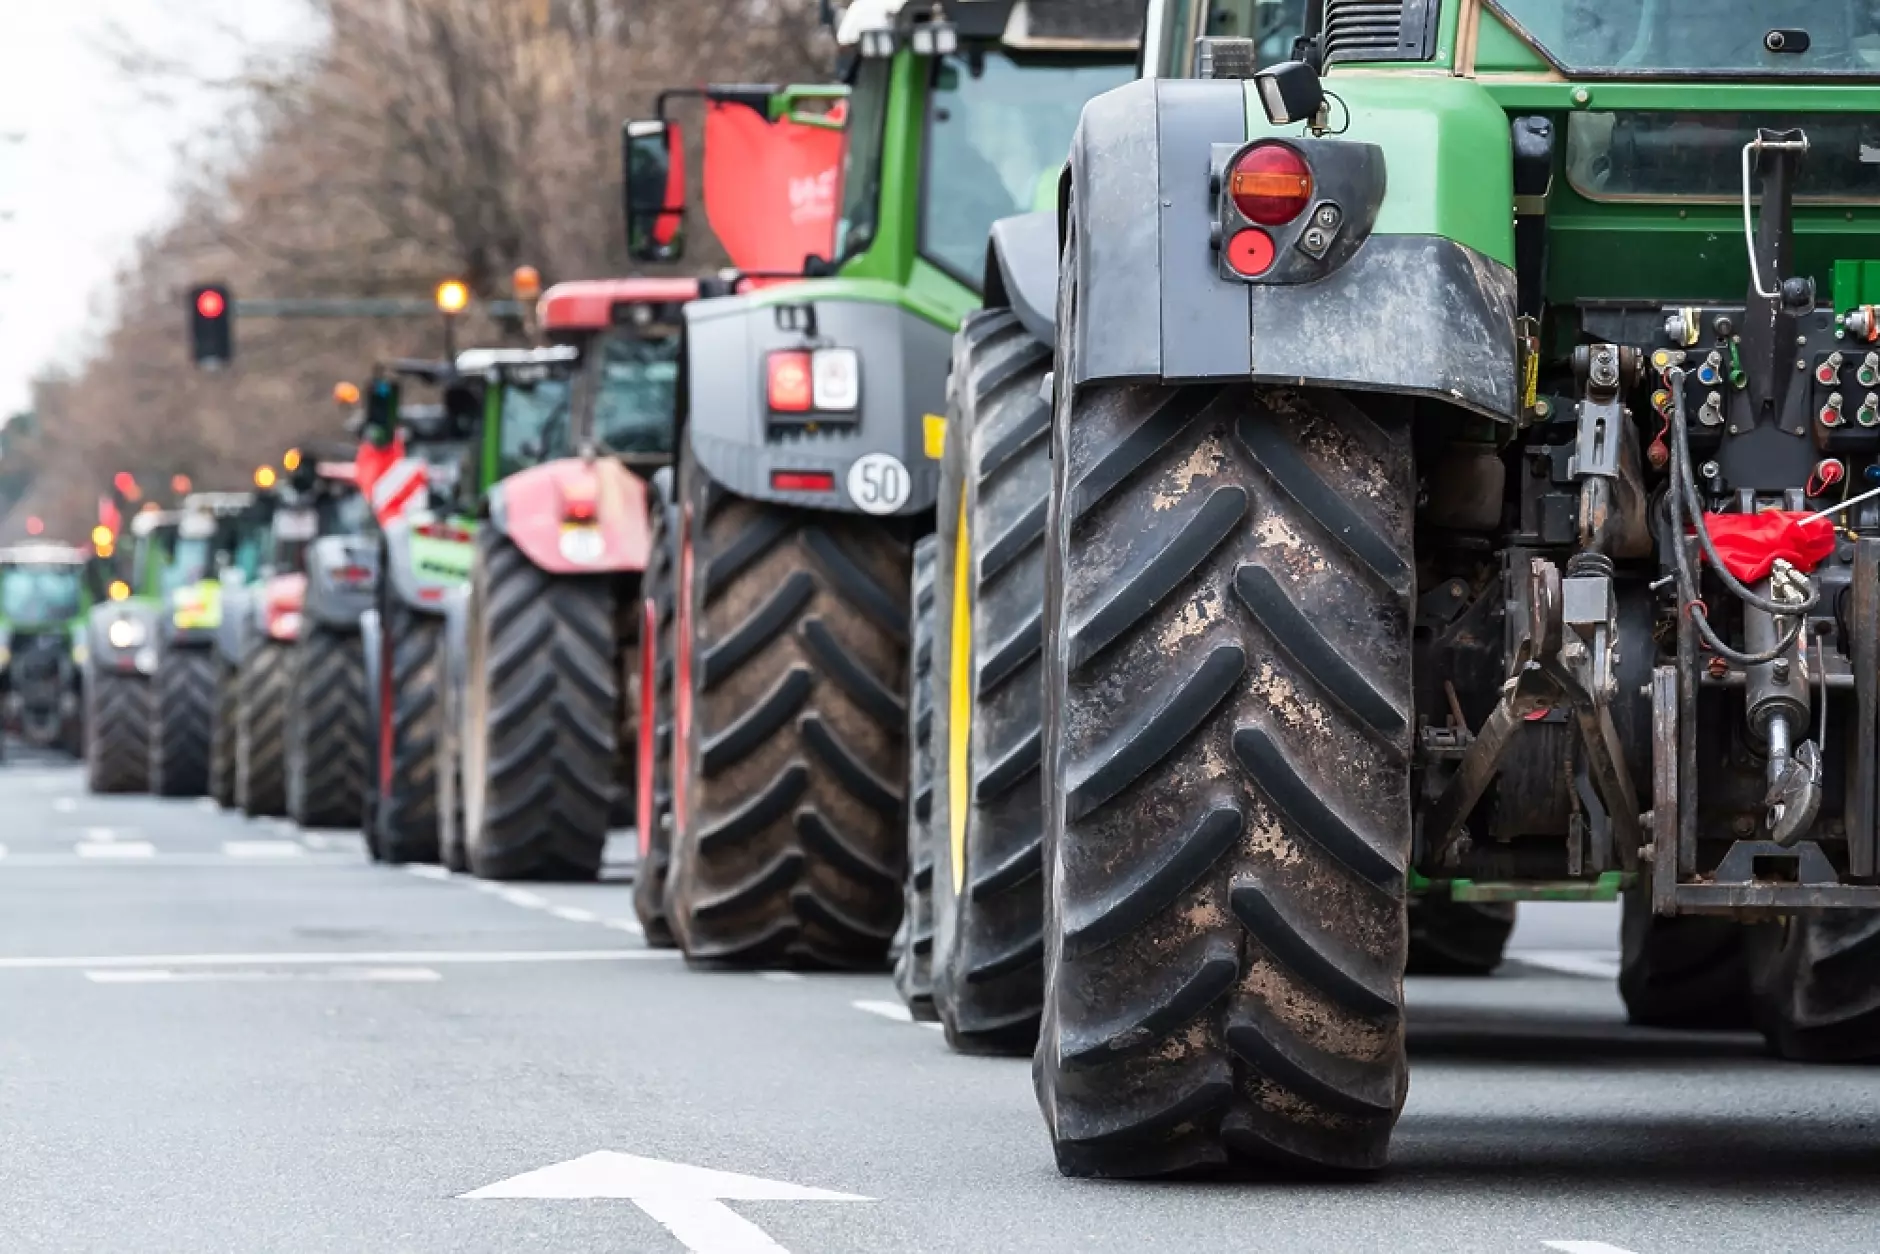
(331, 602)
(904, 372)
(1022, 271)
(1413, 314)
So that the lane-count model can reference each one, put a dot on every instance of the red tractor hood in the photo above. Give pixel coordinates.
(575, 517)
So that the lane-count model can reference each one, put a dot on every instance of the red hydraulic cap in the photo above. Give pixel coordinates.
(588, 304)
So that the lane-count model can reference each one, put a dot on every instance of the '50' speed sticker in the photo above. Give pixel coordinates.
(879, 483)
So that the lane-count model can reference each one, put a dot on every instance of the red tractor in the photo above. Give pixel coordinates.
(550, 676)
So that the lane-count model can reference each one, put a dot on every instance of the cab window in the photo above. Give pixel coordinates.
(636, 387)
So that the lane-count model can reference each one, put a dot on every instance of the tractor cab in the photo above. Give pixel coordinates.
(620, 395)
(43, 601)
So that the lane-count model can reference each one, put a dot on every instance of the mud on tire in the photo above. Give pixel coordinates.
(913, 966)
(404, 776)
(541, 730)
(988, 895)
(789, 847)
(654, 788)
(326, 728)
(117, 732)
(261, 731)
(182, 694)
(1227, 748)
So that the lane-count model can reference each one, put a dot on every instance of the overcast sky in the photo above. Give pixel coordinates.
(99, 154)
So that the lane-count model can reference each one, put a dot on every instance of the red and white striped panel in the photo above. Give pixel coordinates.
(400, 487)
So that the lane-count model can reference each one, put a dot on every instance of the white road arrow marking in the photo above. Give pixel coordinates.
(687, 1201)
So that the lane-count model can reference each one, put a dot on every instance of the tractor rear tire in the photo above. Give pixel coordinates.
(222, 737)
(403, 774)
(326, 728)
(1685, 972)
(117, 733)
(1458, 937)
(261, 731)
(913, 966)
(988, 894)
(450, 828)
(1815, 986)
(182, 695)
(1228, 726)
(789, 846)
(541, 747)
(654, 790)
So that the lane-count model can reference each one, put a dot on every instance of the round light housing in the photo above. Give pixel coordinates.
(125, 633)
(1271, 184)
(1250, 252)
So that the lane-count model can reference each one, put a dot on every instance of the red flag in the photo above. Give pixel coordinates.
(1750, 544)
(770, 187)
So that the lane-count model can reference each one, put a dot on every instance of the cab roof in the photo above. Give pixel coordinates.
(1023, 25)
(588, 304)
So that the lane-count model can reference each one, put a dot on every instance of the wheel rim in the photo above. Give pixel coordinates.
(959, 702)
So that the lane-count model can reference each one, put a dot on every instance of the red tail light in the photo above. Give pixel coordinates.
(802, 481)
(1271, 184)
(352, 574)
(791, 385)
(444, 531)
(1250, 252)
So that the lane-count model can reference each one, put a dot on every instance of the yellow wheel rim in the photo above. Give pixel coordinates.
(959, 700)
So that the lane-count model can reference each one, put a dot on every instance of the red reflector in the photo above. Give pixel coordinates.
(352, 574)
(1250, 252)
(791, 389)
(578, 509)
(802, 481)
(1271, 184)
(430, 594)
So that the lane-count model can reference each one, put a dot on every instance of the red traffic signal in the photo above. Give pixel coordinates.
(211, 325)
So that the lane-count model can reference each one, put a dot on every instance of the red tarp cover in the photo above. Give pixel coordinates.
(770, 187)
(1750, 544)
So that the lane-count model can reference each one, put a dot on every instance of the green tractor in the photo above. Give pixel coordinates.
(811, 421)
(45, 595)
(1462, 451)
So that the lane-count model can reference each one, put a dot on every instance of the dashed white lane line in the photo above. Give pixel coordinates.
(522, 897)
(426, 871)
(3, 851)
(388, 958)
(630, 926)
(103, 835)
(116, 849)
(1585, 1247)
(1592, 966)
(264, 849)
(526, 899)
(890, 1010)
(64, 805)
(364, 975)
(780, 977)
(574, 914)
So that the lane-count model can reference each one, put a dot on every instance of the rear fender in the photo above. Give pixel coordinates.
(342, 580)
(1022, 271)
(1411, 298)
(904, 361)
(419, 568)
(539, 510)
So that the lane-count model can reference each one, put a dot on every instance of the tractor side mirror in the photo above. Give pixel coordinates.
(652, 160)
(381, 413)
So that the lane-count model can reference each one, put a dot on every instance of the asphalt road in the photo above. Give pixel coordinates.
(218, 1035)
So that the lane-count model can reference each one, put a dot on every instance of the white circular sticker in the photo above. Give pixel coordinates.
(879, 483)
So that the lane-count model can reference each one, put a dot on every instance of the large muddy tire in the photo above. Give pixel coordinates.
(988, 897)
(913, 966)
(182, 718)
(1686, 971)
(222, 736)
(1227, 733)
(450, 842)
(261, 731)
(117, 732)
(404, 813)
(1458, 937)
(326, 728)
(788, 847)
(1815, 986)
(542, 720)
(653, 774)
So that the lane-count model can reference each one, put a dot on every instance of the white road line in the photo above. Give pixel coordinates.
(780, 977)
(574, 914)
(1585, 1247)
(3, 851)
(103, 835)
(386, 958)
(64, 805)
(263, 849)
(425, 871)
(117, 849)
(1593, 966)
(891, 1010)
(522, 897)
(163, 862)
(365, 975)
(208, 803)
(630, 926)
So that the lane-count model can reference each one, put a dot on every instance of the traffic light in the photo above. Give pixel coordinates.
(212, 325)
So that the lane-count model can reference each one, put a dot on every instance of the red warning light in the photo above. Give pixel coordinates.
(209, 303)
